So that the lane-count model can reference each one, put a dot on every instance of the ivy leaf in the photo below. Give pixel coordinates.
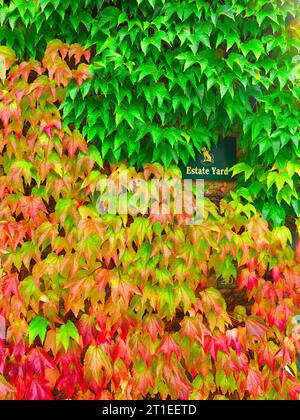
(271, 179)
(146, 70)
(38, 327)
(254, 45)
(226, 11)
(254, 383)
(5, 387)
(95, 154)
(273, 212)
(95, 362)
(242, 167)
(168, 347)
(205, 40)
(38, 389)
(65, 333)
(296, 206)
(283, 235)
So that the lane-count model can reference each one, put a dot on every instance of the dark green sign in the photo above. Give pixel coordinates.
(213, 163)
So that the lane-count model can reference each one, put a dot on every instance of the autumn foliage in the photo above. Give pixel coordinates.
(121, 307)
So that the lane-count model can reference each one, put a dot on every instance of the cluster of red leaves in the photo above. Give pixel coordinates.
(118, 307)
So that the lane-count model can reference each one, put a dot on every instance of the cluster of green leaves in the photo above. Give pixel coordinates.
(172, 76)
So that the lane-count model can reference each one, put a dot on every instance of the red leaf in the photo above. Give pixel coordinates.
(38, 360)
(213, 344)
(293, 388)
(266, 355)
(232, 338)
(247, 279)
(169, 346)
(256, 331)
(144, 350)
(153, 326)
(287, 352)
(279, 315)
(276, 274)
(2, 355)
(121, 350)
(71, 372)
(102, 277)
(144, 381)
(10, 285)
(75, 142)
(38, 389)
(254, 383)
(87, 328)
(30, 206)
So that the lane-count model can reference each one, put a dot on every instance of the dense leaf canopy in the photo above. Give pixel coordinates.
(113, 306)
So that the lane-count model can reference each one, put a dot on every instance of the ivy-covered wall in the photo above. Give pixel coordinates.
(135, 306)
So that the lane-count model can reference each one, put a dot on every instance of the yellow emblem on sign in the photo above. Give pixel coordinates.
(207, 156)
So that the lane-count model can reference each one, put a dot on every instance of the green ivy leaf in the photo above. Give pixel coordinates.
(254, 45)
(95, 154)
(65, 333)
(242, 167)
(38, 327)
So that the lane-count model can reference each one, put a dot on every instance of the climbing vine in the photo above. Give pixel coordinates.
(115, 306)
